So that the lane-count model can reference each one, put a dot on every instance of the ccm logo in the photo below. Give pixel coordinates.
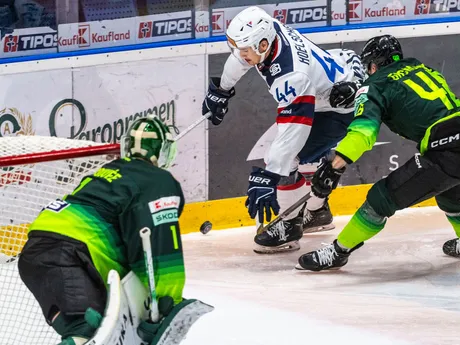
(445, 141)
(260, 180)
(216, 99)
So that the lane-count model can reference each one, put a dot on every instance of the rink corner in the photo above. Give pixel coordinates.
(231, 212)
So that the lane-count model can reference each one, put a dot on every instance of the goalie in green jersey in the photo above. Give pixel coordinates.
(76, 241)
(414, 101)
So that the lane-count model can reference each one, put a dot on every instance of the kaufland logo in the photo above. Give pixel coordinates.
(355, 10)
(84, 37)
(218, 22)
(81, 39)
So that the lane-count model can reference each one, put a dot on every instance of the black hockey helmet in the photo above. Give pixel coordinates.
(381, 50)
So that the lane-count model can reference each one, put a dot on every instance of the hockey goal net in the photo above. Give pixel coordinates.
(34, 170)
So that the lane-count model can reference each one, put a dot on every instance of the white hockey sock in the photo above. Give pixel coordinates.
(315, 203)
(289, 194)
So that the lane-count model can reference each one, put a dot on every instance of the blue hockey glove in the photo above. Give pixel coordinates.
(325, 179)
(262, 194)
(216, 101)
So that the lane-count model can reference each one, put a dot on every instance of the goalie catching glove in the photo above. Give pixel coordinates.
(262, 194)
(216, 101)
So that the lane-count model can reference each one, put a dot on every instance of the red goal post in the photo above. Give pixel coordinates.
(34, 170)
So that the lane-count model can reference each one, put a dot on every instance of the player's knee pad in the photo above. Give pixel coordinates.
(380, 201)
(371, 215)
(417, 180)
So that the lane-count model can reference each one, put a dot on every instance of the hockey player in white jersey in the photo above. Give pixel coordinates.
(315, 92)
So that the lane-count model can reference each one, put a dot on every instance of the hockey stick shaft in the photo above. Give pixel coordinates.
(193, 125)
(286, 213)
(148, 259)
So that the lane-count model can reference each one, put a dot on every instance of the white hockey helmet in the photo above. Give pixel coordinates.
(249, 28)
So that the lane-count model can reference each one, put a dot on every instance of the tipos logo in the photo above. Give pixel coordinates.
(13, 123)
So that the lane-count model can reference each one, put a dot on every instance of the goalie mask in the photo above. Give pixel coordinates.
(148, 138)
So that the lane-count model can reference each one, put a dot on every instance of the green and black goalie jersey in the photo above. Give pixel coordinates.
(106, 212)
(407, 96)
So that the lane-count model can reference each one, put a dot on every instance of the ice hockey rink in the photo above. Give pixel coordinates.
(399, 288)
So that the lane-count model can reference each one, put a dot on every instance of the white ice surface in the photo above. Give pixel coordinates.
(399, 288)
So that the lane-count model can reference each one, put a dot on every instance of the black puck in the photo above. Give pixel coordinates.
(205, 227)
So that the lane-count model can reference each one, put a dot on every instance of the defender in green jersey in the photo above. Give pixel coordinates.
(414, 101)
(75, 241)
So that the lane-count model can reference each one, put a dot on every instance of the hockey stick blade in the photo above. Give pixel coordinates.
(286, 213)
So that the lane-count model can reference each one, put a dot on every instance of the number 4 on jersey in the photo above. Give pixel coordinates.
(331, 69)
(288, 90)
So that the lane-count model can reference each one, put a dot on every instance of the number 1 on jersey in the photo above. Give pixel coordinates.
(174, 236)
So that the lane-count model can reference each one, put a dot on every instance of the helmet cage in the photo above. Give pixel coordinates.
(156, 146)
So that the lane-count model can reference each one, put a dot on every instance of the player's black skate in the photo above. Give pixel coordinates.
(327, 258)
(452, 248)
(319, 220)
(282, 236)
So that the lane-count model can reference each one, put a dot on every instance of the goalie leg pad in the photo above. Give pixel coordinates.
(176, 325)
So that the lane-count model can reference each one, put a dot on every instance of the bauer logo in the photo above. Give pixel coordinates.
(172, 27)
(19, 43)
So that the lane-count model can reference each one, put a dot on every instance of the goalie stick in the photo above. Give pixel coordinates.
(147, 247)
(260, 226)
